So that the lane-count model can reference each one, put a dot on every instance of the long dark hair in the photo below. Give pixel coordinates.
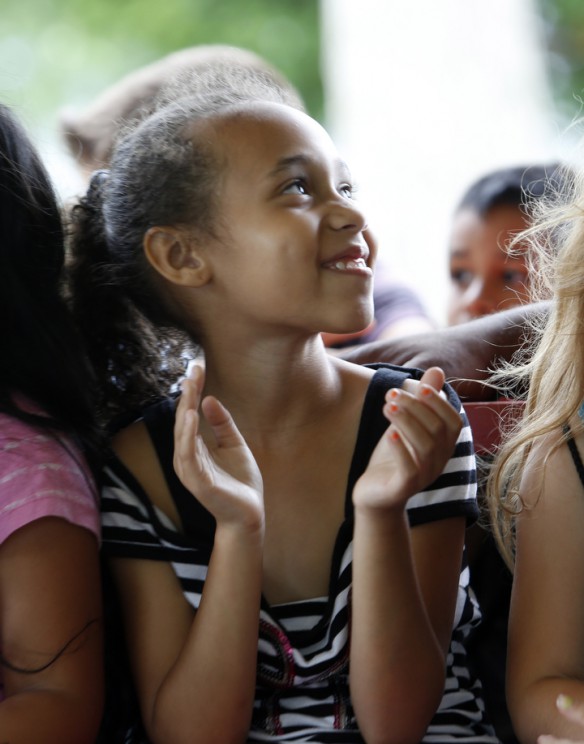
(42, 353)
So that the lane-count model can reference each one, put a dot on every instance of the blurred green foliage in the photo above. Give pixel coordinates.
(56, 53)
(563, 23)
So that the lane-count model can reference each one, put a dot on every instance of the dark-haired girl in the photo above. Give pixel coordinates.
(289, 560)
(50, 608)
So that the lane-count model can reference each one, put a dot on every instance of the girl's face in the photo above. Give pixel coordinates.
(293, 251)
(483, 277)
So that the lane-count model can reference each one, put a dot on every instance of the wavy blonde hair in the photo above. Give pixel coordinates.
(550, 365)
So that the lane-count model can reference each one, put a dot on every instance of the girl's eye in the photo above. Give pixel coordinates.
(347, 190)
(461, 277)
(514, 277)
(296, 187)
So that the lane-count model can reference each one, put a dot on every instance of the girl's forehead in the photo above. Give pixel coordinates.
(265, 127)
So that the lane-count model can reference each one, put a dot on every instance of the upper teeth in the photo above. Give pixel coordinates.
(353, 263)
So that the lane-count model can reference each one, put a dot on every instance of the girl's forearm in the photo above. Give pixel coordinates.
(208, 694)
(397, 664)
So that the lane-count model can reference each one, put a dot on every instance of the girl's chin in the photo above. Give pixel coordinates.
(334, 339)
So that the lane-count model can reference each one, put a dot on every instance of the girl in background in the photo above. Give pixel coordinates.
(50, 607)
(536, 494)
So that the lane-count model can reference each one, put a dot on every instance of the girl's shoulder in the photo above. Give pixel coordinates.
(134, 448)
(382, 373)
(554, 469)
(42, 474)
(378, 377)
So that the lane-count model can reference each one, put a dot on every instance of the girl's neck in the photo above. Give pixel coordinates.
(272, 389)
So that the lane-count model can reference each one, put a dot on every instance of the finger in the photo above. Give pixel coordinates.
(424, 414)
(405, 426)
(434, 377)
(392, 448)
(196, 380)
(402, 451)
(221, 422)
(187, 420)
(430, 392)
(185, 448)
(190, 398)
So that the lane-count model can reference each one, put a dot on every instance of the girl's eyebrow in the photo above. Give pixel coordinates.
(305, 160)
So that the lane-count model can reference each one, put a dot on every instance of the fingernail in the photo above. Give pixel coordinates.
(393, 393)
(392, 407)
(426, 390)
(564, 702)
(394, 435)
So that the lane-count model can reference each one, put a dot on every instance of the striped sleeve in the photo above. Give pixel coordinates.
(132, 527)
(129, 519)
(454, 492)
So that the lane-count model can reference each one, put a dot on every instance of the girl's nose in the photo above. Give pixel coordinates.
(481, 300)
(346, 215)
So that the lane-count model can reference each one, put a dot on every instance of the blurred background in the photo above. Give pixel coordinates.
(421, 97)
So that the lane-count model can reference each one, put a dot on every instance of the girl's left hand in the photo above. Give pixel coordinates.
(415, 448)
(573, 712)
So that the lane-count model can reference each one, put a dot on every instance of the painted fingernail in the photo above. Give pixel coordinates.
(393, 393)
(426, 390)
(393, 407)
(394, 435)
(564, 702)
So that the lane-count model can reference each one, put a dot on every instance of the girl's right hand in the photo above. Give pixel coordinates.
(222, 474)
(415, 448)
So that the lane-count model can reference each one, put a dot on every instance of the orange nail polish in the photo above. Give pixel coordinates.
(394, 435)
(392, 407)
(426, 390)
(393, 393)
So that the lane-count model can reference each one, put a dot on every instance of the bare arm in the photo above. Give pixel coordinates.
(195, 671)
(404, 582)
(50, 601)
(190, 668)
(465, 352)
(546, 632)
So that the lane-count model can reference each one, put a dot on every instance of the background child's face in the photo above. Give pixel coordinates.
(483, 278)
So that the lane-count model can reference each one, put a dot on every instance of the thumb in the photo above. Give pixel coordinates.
(221, 422)
(434, 377)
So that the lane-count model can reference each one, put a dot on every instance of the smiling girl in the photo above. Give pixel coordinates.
(289, 562)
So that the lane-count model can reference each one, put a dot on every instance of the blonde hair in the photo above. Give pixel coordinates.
(550, 366)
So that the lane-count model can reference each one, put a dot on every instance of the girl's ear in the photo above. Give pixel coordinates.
(176, 255)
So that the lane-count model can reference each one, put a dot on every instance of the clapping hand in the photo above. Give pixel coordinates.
(414, 449)
(219, 470)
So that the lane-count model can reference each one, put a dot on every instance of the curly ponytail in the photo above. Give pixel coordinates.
(137, 355)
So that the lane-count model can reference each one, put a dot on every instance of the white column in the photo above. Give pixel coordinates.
(423, 96)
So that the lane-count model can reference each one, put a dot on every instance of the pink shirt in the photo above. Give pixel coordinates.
(40, 477)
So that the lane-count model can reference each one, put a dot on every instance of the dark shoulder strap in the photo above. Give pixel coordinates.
(373, 423)
(575, 453)
(196, 521)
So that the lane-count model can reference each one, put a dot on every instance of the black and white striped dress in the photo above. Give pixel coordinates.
(302, 692)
